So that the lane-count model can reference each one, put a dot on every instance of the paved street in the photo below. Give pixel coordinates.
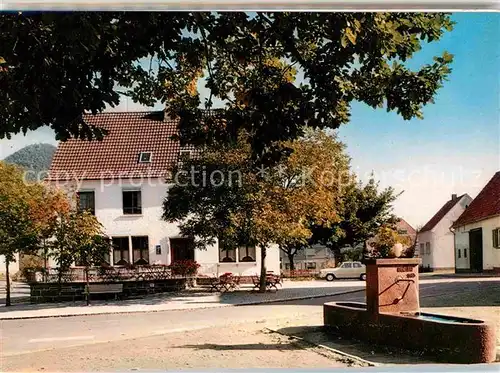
(27, 336)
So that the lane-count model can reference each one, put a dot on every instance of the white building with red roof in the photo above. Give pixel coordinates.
(436, 242)
(477, 231)
(122, 180)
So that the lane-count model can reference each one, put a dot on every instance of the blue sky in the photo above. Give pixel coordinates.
(454, 149)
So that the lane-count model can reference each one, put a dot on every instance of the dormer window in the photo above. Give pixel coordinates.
(145, 157)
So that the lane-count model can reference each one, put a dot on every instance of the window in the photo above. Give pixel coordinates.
(428, 248)
(310, 251)
(106, 259)
(158, 249)
(145, 157)
(86, 201)
(246, 253)
(422, 249)
(132, 202)
(227, 254)
(140, 250)
(402, 231)
(496, 238)
(356, 265)
(311, 265)
(465, 253)
(120, 250)
(459, 253)
(347, 265)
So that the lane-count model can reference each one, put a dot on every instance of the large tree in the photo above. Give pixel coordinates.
(18, 218)
(78, 238)
(364, 209)
(49, 204)
(242, 205)
(55, 66)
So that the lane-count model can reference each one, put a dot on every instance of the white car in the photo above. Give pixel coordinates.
(344, 270)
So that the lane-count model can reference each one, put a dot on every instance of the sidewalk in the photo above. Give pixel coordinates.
(191, 299)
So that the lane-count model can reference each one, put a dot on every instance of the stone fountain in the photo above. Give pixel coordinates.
(391, 316)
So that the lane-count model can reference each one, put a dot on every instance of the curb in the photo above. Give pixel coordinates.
(297, 298)
(341, 353)
(250, 303)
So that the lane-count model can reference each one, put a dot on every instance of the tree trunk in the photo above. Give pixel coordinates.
(44, 261)
(337, 256)
(366, 252)
(59, 280)
(7, 282)
(87, 292)
(290, 259)
(263, 271)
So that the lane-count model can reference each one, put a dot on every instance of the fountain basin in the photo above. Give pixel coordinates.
(449, 339)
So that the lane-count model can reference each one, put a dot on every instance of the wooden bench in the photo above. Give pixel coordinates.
(256, 282)
(105, 289)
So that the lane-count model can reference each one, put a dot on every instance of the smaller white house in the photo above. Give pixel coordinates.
(312, 258)
(436, 239)
(477, 232)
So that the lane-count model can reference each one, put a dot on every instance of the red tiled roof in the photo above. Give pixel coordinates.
(485, 205)
(441, 214)
(117, 155)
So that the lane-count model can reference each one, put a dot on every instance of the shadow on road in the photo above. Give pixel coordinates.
(317, 335)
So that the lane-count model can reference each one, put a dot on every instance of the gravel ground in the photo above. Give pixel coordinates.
(242, 346)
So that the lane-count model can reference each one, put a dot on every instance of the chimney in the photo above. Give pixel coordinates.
(453, 197)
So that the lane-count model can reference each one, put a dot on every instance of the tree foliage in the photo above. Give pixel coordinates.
(55, 66)
(37, 217)
(364, 210)
(21, 219)
(384, 244)
(78, 238)
(258, 206)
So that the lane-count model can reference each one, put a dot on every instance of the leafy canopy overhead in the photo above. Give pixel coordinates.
(55, 66)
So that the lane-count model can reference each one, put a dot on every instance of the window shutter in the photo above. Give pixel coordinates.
(496, 234)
